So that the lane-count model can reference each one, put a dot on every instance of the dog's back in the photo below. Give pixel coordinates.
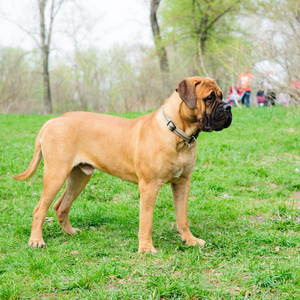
(88, 138)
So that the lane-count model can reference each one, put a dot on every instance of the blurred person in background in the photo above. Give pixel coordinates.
(269, 86)
(244, 84)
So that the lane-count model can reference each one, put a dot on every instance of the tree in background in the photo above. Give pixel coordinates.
(194, 25)
(21, 88)
(13, 65)
(201, 37)
(160, 49)
(43, 42)
(45, 36)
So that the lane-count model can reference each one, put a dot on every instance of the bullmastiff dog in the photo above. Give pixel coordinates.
(152, 150)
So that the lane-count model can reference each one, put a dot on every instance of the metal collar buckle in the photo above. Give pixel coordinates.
(192, 142)
(171, 125)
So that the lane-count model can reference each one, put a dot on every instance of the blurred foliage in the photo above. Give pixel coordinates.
(207, 38)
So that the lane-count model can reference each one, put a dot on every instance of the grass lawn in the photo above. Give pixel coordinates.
(244, 202)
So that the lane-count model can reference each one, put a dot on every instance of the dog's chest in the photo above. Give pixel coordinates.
(183, 165)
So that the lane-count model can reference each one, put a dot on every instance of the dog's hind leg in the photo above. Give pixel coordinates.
(53, 182)
(76, 182)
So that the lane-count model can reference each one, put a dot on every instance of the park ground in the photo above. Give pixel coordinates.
(244, 202)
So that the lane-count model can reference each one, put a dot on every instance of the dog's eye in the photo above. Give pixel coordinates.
(210, 98)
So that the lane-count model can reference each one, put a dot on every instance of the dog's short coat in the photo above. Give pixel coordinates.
(143, 151)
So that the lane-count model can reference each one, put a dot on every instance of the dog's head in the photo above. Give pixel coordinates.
(203, 99)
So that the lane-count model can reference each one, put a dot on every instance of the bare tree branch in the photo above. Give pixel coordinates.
(22, 28)
(52, 17)
(221, 15)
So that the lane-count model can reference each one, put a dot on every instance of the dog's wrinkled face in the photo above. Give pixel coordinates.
(203, 97)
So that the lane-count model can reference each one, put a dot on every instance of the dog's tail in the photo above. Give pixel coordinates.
(36, 159)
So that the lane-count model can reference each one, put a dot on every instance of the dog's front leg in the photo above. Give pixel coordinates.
(148, 193)
(181, 190)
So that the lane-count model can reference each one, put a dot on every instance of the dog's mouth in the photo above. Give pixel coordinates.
(219, 119)
(207, 128)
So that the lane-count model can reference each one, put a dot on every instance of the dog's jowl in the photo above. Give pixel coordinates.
(152, 150)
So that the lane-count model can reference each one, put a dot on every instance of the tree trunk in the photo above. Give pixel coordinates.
(46, 77)
(160, 49)
(45, 56)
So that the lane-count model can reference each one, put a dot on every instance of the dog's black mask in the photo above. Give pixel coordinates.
(219, 118)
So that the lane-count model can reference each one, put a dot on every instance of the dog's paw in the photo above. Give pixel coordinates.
(71, 230)
(194, 241)
(37, 243)
(143, 249)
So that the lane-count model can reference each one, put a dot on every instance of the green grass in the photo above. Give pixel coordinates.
(244, 202)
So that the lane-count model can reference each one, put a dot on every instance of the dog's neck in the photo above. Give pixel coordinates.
(178, 112)
(187, 138)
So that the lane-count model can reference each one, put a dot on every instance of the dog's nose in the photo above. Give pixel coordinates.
(227, 107)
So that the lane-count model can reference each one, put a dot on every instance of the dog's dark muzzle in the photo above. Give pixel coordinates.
(219, 118)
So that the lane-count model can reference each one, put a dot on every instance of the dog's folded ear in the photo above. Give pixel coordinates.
(186, 89)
